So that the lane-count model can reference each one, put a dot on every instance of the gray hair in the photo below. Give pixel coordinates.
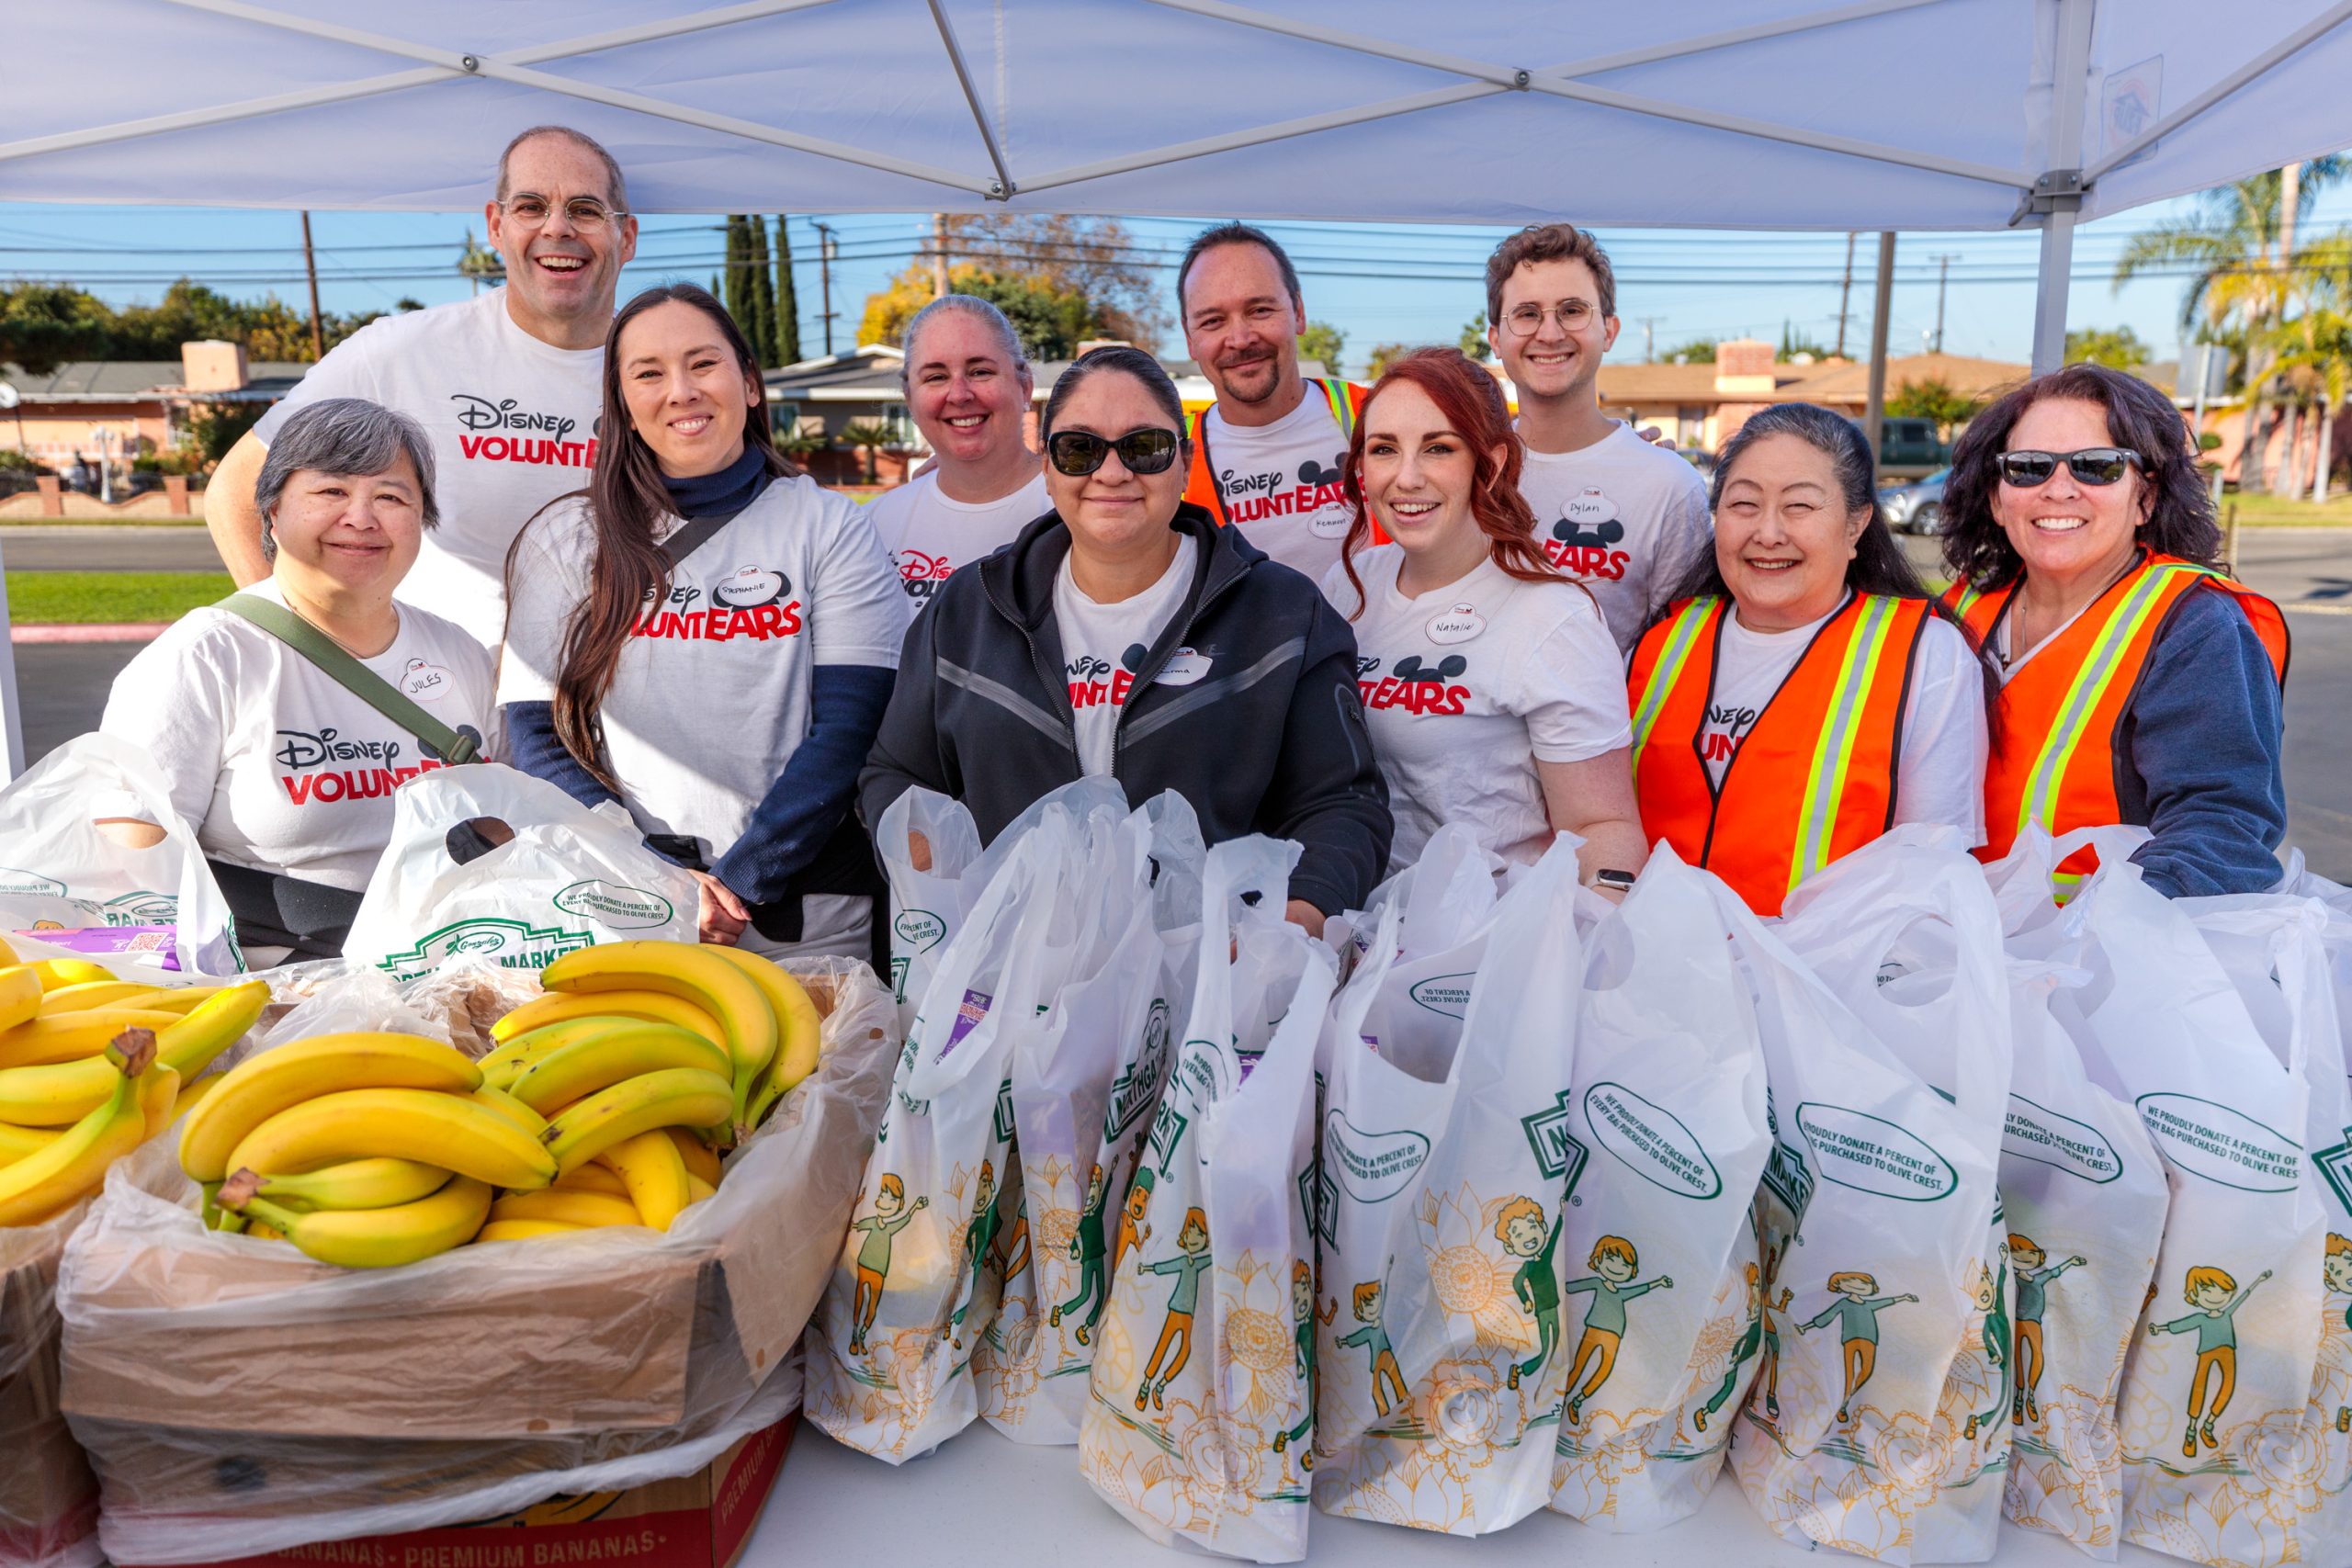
(342, 435)
(617, 187)
(970, 305)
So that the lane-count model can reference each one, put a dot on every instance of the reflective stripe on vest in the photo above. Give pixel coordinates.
(1680, 638)
(1826, 783)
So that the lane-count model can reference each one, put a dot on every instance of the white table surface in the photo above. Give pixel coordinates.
(984, 1501)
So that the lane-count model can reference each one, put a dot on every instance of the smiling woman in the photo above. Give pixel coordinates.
(706, 636)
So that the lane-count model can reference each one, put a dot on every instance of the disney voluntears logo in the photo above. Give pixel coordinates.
(752, 603)
(1317, 495)
(1584, 541)
(499, 429)
(1421, 690)
(328, 766)
(922, 574)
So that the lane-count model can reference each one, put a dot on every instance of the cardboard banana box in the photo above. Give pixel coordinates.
(48, 1499)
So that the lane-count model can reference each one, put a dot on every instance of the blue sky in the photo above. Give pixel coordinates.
(1376, 283)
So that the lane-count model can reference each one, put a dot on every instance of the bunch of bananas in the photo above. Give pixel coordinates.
(369, 1150)
(92, 1066)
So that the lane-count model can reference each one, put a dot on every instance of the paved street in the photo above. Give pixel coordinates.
(65, 548)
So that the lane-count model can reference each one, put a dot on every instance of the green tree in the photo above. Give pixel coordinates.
(760, 330)
(1383, 355)
(214, 427)
(479, 264)
(1929, 397)
(1473, 338)
(1324, 342)
(2118, 348)
(1698, 351)
(787, 299)
(1793, 342)
(739, 272)
(870, 436)
(1051, 321)
(1094, 258)
(43, 325)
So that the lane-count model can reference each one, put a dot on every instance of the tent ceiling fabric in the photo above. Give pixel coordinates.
(1786, 114)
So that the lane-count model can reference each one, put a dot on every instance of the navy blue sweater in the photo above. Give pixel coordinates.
(2198, 755)
(810, 799)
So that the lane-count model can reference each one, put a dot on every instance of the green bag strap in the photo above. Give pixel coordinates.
(350, 675)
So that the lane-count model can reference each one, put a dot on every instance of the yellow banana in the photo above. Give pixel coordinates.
(585, 1210)
(354, 1184)
(798, 1026)
(688, 970)
(219, 1021)
(590, 1178)
(260, 1087)
(258, 1230)
(381, 1238)
(514, 1109)
(34, 1188)
(523, 1230)
(651, 1169)
(58, 973)
(675, 1097)
(21, 994)
(92, 994)
(7, 953)
(57, 1095)
(604, 1059)
(698, 1189)
(181, 999)
(17, 1142)
(701, 1159)
(71, 1036)
(449, 1130)
(193, 1092)
(159, 1091)
(499, 1066)
(651, 1006)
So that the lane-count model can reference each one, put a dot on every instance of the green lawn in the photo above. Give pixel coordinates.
(2276, 512)
(82, 598)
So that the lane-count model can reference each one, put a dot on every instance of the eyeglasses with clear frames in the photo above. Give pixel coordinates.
(1526, 321)
(528, 209)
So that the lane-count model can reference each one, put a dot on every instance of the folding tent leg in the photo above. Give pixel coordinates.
(12, 728)
(2050, 291)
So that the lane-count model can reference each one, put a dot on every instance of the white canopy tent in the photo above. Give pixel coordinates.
(1779, 113)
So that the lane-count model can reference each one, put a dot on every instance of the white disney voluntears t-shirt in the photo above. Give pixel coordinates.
(1104, 645)
(512, 419)
(1623, 517)
(711, 697)
(1939, 773)
(278, 766)
(1467, 687)
(930, 535)
(1280, 482)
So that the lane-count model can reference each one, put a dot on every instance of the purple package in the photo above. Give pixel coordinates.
(108, 942)
(968, 1019)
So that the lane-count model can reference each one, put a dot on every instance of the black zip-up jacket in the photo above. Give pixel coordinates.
(1270, 740)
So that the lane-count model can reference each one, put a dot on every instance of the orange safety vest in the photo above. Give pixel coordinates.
(1826, 744)
(2054, 754)
(1345, 400)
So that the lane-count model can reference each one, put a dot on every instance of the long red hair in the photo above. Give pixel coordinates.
(1472, 405)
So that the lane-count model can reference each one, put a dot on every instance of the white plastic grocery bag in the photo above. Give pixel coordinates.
(1084, 1085)
(2206, 1014)
(890, 1351)
(1877, 1212)
(1665, 1129)
(1198, 1417)
(926, 905)
(568, 877)
(60, 873)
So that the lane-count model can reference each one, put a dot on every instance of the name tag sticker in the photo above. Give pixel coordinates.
(1184, 667)
(424, 681)
(1459, 623)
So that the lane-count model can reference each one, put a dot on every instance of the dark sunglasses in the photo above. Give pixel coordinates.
(1078, 453)
(2092, 466)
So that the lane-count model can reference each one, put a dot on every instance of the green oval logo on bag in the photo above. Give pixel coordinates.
(2042, 1136)
(29, 884)
(1447, 994)
(1373, 1166)
(2216, 1144)
(611, 904)
(1870, 1154)
(919, 930)
(1651, 1141)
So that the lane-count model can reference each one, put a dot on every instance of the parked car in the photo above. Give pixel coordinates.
(1917, 507)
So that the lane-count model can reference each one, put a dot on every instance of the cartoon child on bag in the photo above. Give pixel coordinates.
(1133, 1232)
(1857, 1317)
(890, 1217)
(1374, 1337)
(1302, 1308)
(2337, 1273)
(1519, 1227)
(1613, 1263)
(1768, 1371)
(1086, 1249)
(2217, 1298)
(2035, 1274)
(978, 1236)
(1751, 1342)
(1997, 1346)
(1191, 1262)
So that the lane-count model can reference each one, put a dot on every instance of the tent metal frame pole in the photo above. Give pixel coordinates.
(2235, 82)
(1004, 186)
(2058, 194)
(1882, 321)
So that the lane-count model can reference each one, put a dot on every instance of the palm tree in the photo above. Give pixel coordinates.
(2314, 349)
(869, 435)
(2235, 247)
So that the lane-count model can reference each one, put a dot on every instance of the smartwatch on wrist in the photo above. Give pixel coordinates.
(1612, 881)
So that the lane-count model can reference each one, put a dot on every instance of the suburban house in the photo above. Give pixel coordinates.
(1699, 406)
(129, 407)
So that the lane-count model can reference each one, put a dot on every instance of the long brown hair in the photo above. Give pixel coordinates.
(1473, 407)
(626, 497)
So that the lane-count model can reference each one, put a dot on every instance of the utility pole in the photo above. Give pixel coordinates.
(311, 265)
(1846, 294)
(938, 254)
(1874, 411)
(825, 276)
(1943, 269)
(1649, 340)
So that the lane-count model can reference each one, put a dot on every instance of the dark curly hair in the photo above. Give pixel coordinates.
(2179, 519)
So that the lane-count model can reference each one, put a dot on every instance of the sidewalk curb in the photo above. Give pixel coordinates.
(118, 631)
